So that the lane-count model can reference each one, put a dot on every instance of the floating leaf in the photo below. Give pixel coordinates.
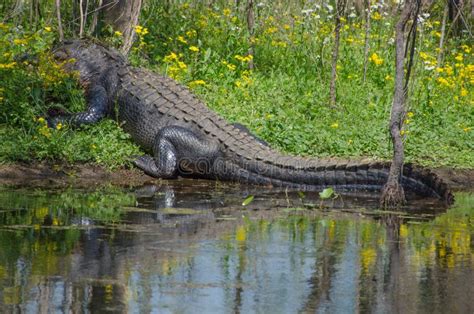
(326, 193)
(248, 200)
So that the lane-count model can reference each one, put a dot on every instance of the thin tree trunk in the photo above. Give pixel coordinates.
(60, 24)
(251, 28)
(81, 26)
(123, 16)
(393, 194)
(443, 33)
(95, 17)
(340, 4)
(367, 37)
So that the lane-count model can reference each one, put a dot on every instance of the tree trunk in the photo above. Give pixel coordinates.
(81, 12)
(251, 28)
(60, 24)
(392, 193)
(123, 16)
(95, 17)
(340, 5)
(367, 37)
(443, 33)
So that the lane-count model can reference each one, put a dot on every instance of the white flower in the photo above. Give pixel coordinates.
(429, 67)
(307, 11)
(352, 15)
(329, 7)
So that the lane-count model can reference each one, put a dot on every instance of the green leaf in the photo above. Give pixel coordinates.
(326, 193)
(248, 200)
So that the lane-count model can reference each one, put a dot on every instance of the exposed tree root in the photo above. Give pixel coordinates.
(393, 195)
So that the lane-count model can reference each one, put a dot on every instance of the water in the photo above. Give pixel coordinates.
(190, 247)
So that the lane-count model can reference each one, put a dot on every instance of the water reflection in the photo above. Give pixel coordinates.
(189, 247)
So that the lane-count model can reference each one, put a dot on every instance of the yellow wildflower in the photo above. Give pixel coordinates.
(182, 40)
(410, 114)
(226, 12)
(459, 58)
(59, 126)
(442, 81)
(467, 129)
(335, 125)
(464, 92)
(44, 130)
(10, 65)
(171, 57)
(388, 77)
(424, 55)
(18, 41)
(286, 26)
(271, 30)
(191, 33)
(197, 83)
(230, 66)
(140, 30)
(449, 69)
(376, 59)
(118, 34)
(376, 16)
(246, 58)
(47, 28)
(194, 49)
(182, 65)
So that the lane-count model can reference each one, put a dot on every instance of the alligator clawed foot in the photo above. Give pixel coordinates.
(148, 165)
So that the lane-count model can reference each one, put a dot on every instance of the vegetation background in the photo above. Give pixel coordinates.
(280, 90)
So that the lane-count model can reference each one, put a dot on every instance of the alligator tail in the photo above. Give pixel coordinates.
(315, 174)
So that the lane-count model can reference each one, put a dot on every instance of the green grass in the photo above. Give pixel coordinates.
(284, 100)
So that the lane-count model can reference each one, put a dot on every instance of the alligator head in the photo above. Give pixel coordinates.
(86, 57)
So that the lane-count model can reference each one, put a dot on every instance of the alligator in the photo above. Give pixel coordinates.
(183, 137)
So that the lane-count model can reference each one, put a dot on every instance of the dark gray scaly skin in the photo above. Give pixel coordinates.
(186, 138)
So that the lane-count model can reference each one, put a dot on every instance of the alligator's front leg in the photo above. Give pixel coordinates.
(178, 150)
(98, 108)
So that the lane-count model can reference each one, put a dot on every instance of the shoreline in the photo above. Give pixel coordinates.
(46, 174)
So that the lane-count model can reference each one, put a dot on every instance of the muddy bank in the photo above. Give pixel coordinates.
(49, 174)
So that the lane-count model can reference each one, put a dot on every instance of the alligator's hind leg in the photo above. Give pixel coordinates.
(178, 150)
